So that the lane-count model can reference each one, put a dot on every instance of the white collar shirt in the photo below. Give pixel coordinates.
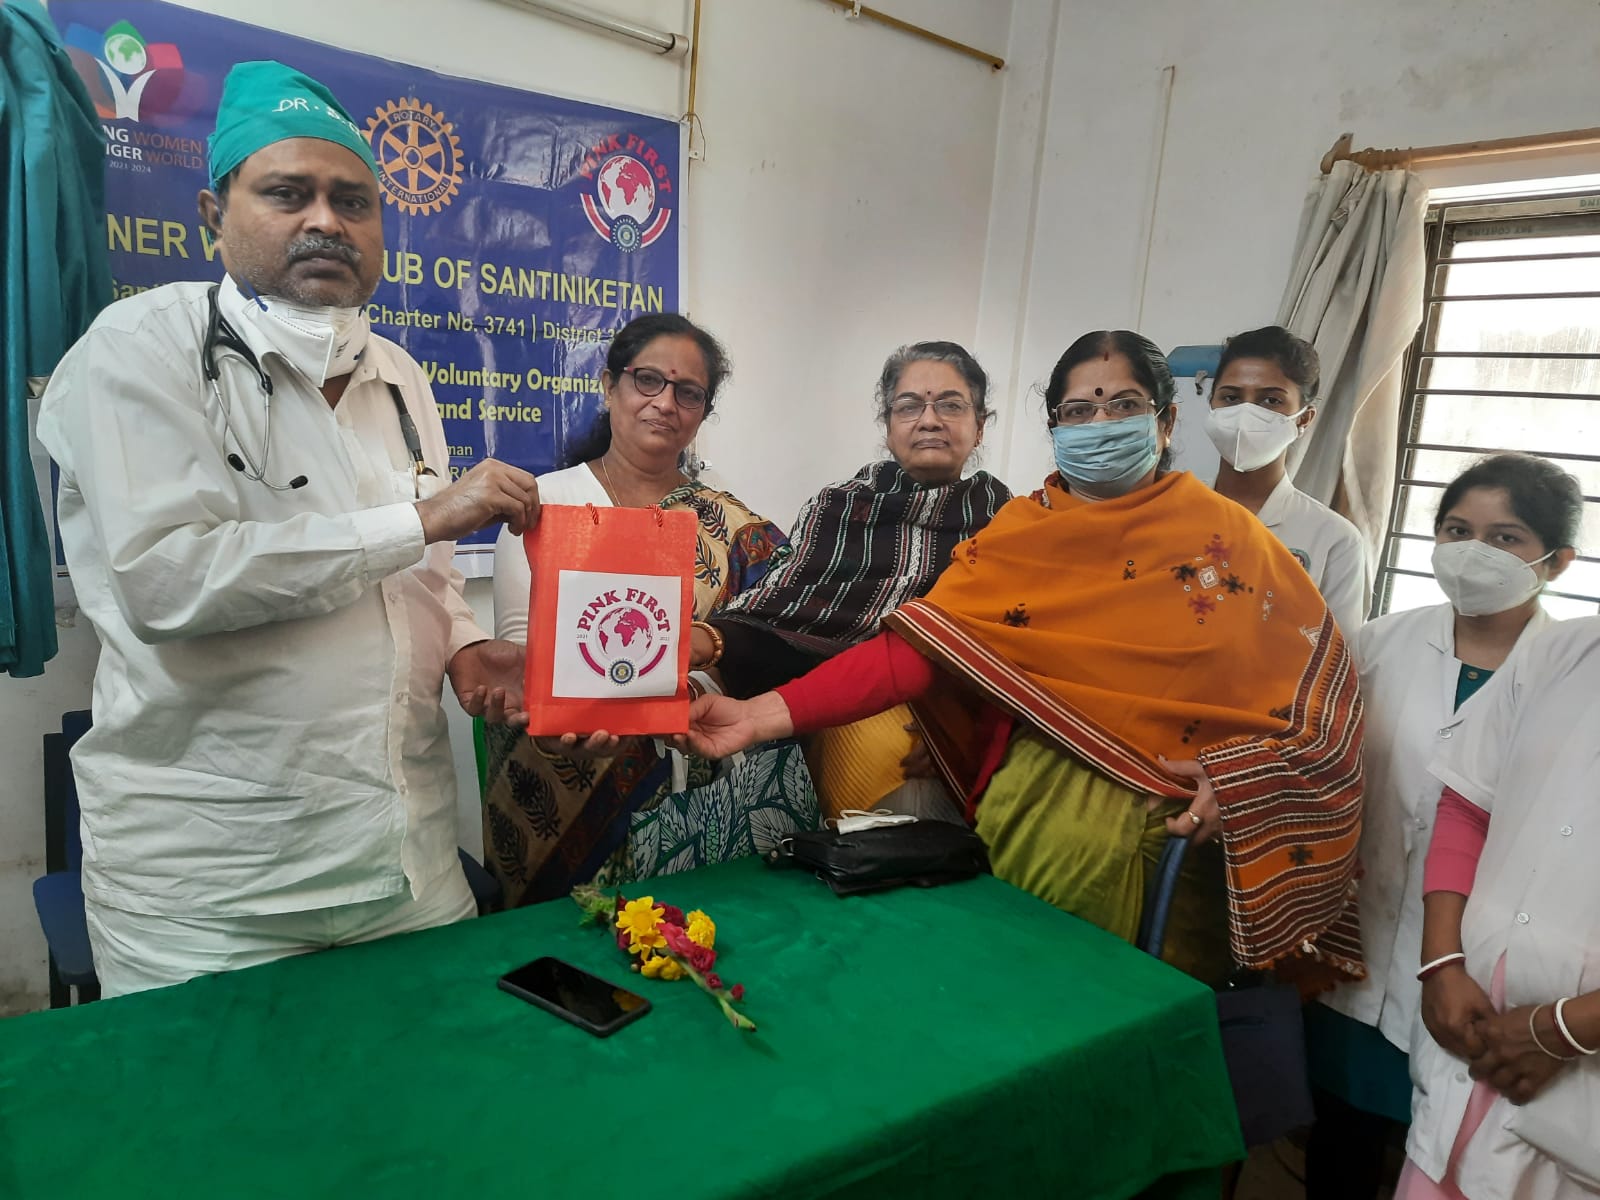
(268, 734)
(1528, 753)
(1328, 547)
(1409, 673)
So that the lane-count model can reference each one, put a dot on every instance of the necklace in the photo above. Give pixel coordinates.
(606, 481)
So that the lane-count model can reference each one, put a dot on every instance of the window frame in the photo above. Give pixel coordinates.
(1442, 223)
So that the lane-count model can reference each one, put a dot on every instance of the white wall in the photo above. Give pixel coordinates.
(1262, 88)
(841, 208)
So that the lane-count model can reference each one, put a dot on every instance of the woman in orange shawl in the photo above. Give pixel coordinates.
(1123, 657)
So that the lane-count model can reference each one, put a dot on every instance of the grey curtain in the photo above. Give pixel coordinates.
(1355, 292)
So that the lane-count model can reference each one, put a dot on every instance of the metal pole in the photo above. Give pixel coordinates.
(658, 41)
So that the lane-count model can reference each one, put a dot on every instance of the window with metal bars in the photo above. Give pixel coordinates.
(1507, 358)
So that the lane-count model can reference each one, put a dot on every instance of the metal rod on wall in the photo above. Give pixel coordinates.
(856, 9)
(1376, 160)
(659, 41)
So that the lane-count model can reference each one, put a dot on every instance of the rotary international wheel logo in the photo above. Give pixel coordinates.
(418, 153)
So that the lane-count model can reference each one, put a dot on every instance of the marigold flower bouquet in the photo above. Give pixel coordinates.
(665, 943)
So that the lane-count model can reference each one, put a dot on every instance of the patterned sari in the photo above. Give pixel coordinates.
(861, 548)
(1165, 622)
(553, 822)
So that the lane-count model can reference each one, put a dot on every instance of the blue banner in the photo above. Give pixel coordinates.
(522, 230)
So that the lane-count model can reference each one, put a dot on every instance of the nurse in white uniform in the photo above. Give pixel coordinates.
(1504, 528)
(1263, 400)
(1506, 1067)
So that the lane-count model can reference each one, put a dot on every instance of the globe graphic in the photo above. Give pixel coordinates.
(626, 189)
(126, 53)
(624, 631)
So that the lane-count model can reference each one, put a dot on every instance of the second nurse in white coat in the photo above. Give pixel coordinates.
(1505, 527)
(1263, 400)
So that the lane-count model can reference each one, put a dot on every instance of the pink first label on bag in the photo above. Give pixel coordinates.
(616, 635)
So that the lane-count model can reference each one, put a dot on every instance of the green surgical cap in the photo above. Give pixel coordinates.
(267, 102)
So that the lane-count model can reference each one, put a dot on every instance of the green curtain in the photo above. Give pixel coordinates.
(57, 277)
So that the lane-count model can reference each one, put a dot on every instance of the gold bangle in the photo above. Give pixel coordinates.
(717, 644)
(1534, 1034)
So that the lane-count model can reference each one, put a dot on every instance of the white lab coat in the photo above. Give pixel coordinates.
(1328, 547)
(268, 735)
(1529, 753)
(1409, 670)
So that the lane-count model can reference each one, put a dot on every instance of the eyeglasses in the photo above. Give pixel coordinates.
(1081, 412)
(910, 408)
(652, 383)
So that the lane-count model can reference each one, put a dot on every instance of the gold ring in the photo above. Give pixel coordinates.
(1193, 817)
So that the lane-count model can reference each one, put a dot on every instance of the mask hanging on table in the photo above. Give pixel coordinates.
(1249, 436)
(1479, 579)
(1106, 458)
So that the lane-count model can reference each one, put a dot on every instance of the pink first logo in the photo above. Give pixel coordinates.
(128, 78)
(632, 183)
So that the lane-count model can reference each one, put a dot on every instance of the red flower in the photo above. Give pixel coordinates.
(701, 958)
(677, 940)
(714, 981)
(671, 914)
(737, 991)
(696, 955)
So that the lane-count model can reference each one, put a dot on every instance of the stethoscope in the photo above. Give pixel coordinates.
(220, 335)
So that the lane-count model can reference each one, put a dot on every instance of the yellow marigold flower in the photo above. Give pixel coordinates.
(659, 966)
(702, 930)
(641, 921)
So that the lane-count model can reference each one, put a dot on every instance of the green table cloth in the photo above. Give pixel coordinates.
(967, 1040)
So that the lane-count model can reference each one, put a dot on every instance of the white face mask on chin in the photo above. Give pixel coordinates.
(1479, 579)
(320, 342)
(1249, 436)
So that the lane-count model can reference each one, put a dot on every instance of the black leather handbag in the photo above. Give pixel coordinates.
(1263, 1034)
(918, 854)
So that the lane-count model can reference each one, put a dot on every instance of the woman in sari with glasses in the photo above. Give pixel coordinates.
(861, 549)
(563, 811)
(1122, 658)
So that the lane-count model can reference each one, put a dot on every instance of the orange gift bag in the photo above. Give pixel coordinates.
(608, 620)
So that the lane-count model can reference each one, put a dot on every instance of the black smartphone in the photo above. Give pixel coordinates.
(573, 994)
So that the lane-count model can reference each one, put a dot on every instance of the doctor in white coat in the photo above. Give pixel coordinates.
(1263, 400)
(1504, 528)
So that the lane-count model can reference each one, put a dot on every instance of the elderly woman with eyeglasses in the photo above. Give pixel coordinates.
(861, 549)
(563, 811)
(1121, 658)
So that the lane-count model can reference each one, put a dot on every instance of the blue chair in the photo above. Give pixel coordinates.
(1263, 1039)
(58, 895)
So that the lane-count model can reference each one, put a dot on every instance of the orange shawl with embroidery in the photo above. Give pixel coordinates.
(1168, 622)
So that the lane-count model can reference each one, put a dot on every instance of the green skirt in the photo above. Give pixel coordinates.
(1058, 828)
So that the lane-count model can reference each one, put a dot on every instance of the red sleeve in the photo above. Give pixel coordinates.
(863, 681)
(1459, 832)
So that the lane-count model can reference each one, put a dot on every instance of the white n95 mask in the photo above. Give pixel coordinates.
(1479, 579)
(321, 343)
(1249, 436)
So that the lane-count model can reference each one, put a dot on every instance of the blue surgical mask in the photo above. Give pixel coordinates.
(1106, 458)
